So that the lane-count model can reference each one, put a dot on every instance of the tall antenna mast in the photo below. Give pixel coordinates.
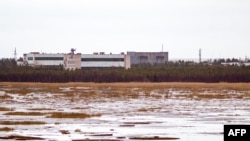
(15, 54)
(162, 48)
(162, 58)
(199, 55)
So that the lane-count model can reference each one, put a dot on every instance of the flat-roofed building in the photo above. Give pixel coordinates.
(73, 61)
(37, 59)
(105, 60)
(147, 57)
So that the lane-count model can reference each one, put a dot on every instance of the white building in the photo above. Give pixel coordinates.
(37, 59)
(78, 61)
(105, 60)
(148, 57)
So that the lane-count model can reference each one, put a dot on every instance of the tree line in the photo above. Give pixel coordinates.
(169, 72)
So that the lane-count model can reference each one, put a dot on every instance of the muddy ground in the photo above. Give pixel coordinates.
(121, 111)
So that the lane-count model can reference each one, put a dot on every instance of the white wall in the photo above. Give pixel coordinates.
(44, 62)
(125, 63)
(103, 63)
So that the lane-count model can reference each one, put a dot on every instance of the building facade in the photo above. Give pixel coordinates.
(147, 57)
(37, 59)
(73, 61)
(105, 60)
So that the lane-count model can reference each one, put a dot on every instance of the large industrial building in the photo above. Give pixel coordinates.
(105, 60)
(37, 59)
(148, 57)
(72, 61)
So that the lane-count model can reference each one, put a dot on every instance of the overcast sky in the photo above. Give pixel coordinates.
(221, 28)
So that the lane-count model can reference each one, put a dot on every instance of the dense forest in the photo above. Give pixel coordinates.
(170, 72)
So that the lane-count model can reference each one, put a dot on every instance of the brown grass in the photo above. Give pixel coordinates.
(6, 109)
(53, 114)
(25, 113)
(80, 108)
(5, 97)
(78, 130)
(21, 122)
(124, 90)
(55, 86)
(64, 131)
(40, 109)
(6, 129)
(149, 109)
(71, 115)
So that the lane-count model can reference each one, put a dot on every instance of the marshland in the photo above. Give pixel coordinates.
(121, 111)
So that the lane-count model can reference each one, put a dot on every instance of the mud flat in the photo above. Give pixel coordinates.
(121, 111)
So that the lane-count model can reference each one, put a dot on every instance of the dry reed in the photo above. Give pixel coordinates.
(25, 113)
(71, 115)
(6, 129)
(21, 122)
(6, 109)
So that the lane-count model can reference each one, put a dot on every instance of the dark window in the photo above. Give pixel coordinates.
(30, 58)
(159, 57)
(49, 58)
(103, 59)
(143, 57)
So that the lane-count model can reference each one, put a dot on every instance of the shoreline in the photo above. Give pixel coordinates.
(220, 85)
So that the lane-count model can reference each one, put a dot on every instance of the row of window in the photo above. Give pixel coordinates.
(146, 57)
(83, 59)
(30, 58)
(46, 58)
(92, 59)
(103, 59)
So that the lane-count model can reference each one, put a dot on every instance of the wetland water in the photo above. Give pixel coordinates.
(121, 111)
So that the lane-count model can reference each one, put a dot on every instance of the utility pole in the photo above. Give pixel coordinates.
(199, 55)
(162, 48)
(15, 54)
(162, 58)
